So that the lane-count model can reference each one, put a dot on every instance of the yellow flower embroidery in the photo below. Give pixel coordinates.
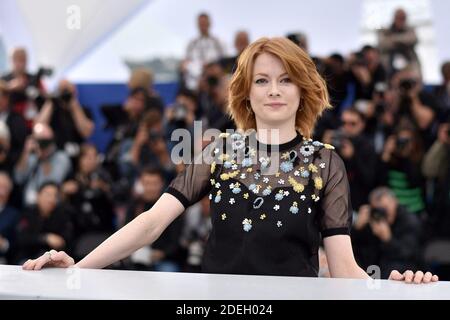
(263, 216)
(298, 187)
(249, 169)
(285, 156)
(224, 216)
(246, 195)
(224, 157)
(328, 146)
(226, 176)
(213, 182)
(318, 183)
(312, 168)
(213, 167)
(277, 174)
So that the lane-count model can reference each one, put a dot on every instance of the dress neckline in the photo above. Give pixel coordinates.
(283, 146)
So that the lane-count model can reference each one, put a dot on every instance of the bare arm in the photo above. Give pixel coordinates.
(143, 230)
(84, 125)
(341, 262)
(46, 112)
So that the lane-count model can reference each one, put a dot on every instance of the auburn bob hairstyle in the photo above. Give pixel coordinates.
(300, 68)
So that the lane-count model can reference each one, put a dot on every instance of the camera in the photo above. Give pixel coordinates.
(337, 139)
(65, 96)
(43, 71)
(402, 143)
(407, 84)
(179, 112)
(378, 214)
(212, 81)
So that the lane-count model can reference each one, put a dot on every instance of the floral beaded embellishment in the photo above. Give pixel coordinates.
(218, 196)
(267, 191)
(298, 187)
(288, 165)
(318, 184)
(258, 203)
(255, 188)
(307, 150)
(247, 224)
(223, 216)
(279, 224)
(294, 208)
(263, 216)
(235, 187)
(281, 194)
(227, 176)
(264, 162)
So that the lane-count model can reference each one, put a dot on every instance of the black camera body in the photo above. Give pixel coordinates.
(402, 143)
(378, 214)
(337, 139)
(407, 84)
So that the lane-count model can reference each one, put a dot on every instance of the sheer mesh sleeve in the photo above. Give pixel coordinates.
(335, 209)
(192, 184)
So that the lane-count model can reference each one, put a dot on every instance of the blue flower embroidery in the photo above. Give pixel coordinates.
(286, 166)
(247, 162)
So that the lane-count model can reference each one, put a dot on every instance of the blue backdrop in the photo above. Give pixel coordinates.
(93, 96)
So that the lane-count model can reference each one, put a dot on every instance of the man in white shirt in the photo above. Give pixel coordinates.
(200, 51)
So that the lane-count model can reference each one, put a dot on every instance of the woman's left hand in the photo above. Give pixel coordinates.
(411, 277)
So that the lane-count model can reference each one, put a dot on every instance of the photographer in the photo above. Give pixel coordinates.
(9, 217)
(16, 126)
(165, 253)
(386, 234)
(88, 192)
(40, 162)
(148, 147)
(65, 115)
(400, 167)
(181, 114)
(25, 88)
(442, 92)
(412, 102)
(397, 44)
(43, 226)
(436, 167)
(357, 152)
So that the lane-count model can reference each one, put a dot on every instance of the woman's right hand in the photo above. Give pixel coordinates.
(52, 258)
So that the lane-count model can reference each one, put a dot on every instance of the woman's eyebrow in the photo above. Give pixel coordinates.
(266, 75)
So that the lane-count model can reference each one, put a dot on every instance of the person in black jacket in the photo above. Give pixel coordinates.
(9, 218)
(165, 253)
(43, 226)
(16, 125)
(358, 154)
(386, 234)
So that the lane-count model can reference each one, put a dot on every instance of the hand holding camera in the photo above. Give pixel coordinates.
(379, 224)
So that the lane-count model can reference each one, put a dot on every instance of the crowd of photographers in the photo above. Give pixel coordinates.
(58, 192)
